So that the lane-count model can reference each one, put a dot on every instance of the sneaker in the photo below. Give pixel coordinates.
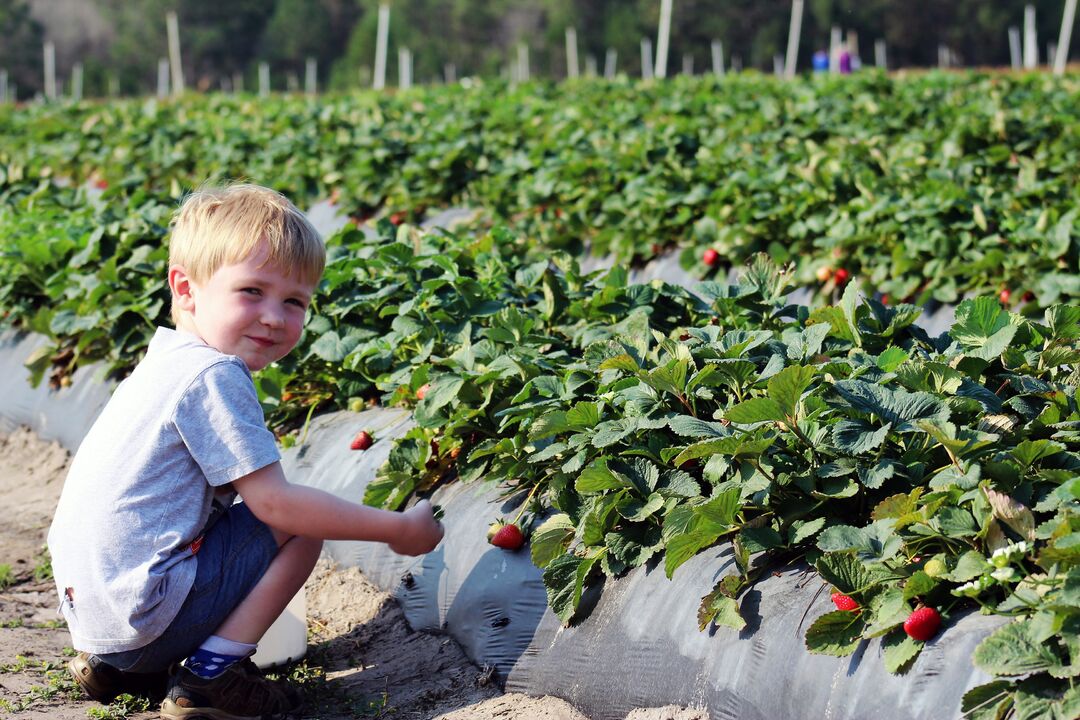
(239, 693)
(102, 682)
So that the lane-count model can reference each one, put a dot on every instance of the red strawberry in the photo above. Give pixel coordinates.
(422, 391)
(710, 257)
(1028, 296)
(841, 276)
(922, 624)
(1004, 296)
(844, 602)
(397, 218)
(508, 537)
(101, 184)
(362, 441)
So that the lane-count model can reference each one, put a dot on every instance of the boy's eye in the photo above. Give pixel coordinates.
(299, 303)
(251, 291)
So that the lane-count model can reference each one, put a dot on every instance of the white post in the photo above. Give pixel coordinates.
(590, 66)
(1015, 54)
(610, 58)
(571, 53)
(835, 46)
(311, 77)
(1031, 46)
(380, 47)
(50, 70)
(881, 58)
(794, 31)
(663, 37)
(646, 59)
(76, 82)
(1051, 53)
(3, 86)
(450, 73)
(264, 79)
(162, 77)
(404, 68)
(1061, 57)
(523, 61)
(716, 48)
(687, 64)
(778, 65)
(173, 27)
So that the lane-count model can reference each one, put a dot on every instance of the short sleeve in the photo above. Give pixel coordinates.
(221, 422)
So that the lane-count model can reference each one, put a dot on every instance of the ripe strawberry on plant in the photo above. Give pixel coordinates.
(923, 623)
(841, 276)
(362, 441)
(1005, 295)
(397, 218)
(844, 602)
(506, 536)
(710, 257)
(422, 391)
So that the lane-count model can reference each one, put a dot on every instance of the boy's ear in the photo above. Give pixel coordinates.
(182, 288)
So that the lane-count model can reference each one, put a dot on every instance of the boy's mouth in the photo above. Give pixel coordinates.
(261, 342)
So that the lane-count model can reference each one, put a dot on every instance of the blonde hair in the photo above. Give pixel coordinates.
(221, 226)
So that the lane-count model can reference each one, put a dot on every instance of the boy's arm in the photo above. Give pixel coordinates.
(310, 512)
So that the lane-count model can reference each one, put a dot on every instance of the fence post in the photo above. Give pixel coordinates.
(794, 31)
(523, 62)
(264, 79)
(610, 58)
(404, 68)
(646, 59)
(50, 70)
(311, 78)
(663, 37)
(381, 39)
(1031, 42)
(881, 58)
(173, 27)
(1061, 57)
(716, 48)
(77, 82)
(571, 53)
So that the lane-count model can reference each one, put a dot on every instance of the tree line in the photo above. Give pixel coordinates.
(225, 40)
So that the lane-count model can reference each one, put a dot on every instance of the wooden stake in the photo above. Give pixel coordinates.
(1015, 53)
(794, 31)
(663, 37)
(716, 48)
(50, 70)
(1031, 40)
(1061, 57)
(173, 27)
(311, 77)
(404, 68)
(162, 77)
(646, 59)
(610, 58)
(77, 82)
(523, 62)
(381, 39)
(571, 53)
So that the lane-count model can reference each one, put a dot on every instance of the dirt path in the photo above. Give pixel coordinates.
(363, 659)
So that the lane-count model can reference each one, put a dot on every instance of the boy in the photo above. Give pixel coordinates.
(153, 562)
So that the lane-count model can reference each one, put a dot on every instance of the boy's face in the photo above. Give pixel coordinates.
(247, 309)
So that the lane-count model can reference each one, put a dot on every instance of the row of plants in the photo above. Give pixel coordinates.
(921, 477)
(922, 188)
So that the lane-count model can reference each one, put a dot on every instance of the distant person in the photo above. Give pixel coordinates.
(845, 62)
(821, 61)
(155, 565)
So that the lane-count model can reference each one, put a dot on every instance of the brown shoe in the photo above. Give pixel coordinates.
(103, 682)
(239, 693)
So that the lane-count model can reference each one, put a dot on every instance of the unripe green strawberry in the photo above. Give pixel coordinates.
(935, 567)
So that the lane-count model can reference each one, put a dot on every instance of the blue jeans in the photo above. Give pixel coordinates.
(236, 551)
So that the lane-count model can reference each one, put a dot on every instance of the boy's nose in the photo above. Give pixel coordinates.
(272, 318)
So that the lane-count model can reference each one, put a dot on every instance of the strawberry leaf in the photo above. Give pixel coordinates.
(835, 633)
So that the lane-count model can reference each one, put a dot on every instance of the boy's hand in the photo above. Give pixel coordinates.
(420, 532)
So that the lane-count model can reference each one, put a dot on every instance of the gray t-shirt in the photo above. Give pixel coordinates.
(140, 488)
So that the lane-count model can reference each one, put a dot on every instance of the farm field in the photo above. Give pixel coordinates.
(639, 425)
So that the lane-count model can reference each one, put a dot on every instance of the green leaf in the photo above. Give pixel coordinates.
(858, 436)
(891, 358)
(896, 406)
(1041, 698)
(583, 416)
(989, 701)
(551, 539)
(597, 478)
(1011, 650)
(846, 572)
(900, 650)
(787, 386)
(564, 579)
(689, 426)
(718, 608)
(835, 633)
(755, 410)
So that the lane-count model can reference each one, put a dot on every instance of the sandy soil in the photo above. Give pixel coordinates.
(363, 658)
